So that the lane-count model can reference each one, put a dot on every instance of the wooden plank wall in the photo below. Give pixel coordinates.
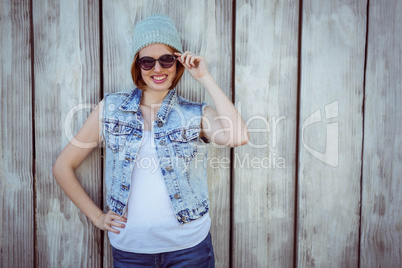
(16, 150)
(331, 96)
(381, 230)
(264, 169)
(318, 82)
(67, 74)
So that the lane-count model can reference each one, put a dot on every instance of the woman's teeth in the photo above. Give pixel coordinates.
(159, 77)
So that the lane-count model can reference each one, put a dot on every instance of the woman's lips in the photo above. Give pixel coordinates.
(159, 79)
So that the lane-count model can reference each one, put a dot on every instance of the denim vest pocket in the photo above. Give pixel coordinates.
(184, 141)
(116, 135)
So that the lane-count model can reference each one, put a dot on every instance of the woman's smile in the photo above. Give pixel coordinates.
(159, 79)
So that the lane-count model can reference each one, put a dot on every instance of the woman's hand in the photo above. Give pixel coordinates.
(194, 64)
(106, 221)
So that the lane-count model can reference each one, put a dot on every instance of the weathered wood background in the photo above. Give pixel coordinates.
(318, 82)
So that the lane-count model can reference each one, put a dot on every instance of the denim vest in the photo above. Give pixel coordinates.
(182, 153)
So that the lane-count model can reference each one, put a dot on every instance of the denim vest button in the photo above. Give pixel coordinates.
(184, 218)
(168, 168)
(160, 124)
(176, 196)
(162, 142)
(184, 135)
(116, 129)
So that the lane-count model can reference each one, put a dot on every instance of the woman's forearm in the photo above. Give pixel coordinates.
(228, 116)
(69, 183)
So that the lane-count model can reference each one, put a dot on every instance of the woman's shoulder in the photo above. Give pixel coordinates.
(186, 103)
(183, 101)
(123, 93)
(123, 96)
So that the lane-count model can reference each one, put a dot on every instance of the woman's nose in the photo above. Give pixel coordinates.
(158, 67)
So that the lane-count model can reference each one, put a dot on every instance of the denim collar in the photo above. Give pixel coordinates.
(132, 103)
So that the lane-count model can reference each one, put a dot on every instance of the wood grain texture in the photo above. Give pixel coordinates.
(381, 231)
(16, 150)
(266, 97)
(67, 74)
(333, 45)
(205, 28)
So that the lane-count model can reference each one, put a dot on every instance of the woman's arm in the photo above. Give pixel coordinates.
(70, 159)
(223, 126)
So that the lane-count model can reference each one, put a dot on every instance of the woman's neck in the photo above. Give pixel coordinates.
(151, 97)
(150, 103)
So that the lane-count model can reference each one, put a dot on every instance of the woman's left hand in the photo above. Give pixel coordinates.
(194, 64)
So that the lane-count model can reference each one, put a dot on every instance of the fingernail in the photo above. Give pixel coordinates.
(122, 226)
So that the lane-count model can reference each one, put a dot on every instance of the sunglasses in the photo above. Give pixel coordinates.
(166, 61)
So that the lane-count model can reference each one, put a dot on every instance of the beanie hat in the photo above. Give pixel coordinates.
(156, 29)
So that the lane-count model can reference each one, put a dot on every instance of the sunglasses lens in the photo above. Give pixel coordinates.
(147, 63)
(167, 61)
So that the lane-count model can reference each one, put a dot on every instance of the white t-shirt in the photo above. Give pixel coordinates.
(151, 223)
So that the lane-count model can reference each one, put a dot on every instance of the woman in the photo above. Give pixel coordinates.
(156, 177)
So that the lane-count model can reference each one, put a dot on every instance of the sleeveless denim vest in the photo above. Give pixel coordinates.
(182, 153)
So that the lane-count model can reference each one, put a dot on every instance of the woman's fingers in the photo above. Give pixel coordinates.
(195, 64)
(194, 59)
(111, 229)
(111, 219)
(185, 55)
(117, 224)
(186, 58)
(115, 216)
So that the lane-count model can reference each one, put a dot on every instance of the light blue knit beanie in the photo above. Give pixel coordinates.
(156, 29)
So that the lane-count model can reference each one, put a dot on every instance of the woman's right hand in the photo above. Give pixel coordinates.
(106, 221)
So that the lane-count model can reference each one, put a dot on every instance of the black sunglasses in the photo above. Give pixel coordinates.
(166, 61)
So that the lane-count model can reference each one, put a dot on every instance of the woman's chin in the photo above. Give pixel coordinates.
(158, 87)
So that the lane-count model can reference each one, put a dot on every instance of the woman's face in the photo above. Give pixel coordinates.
(158, 78)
